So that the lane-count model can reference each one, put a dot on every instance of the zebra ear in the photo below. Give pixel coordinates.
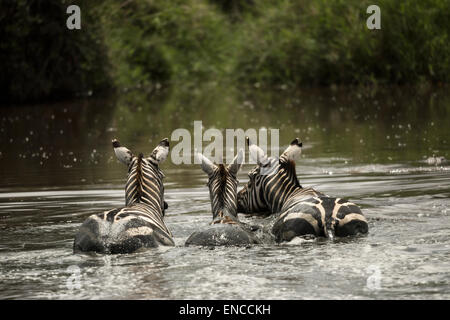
(237, 162)
(294, 149)
(256, 153)
(160, 153)
(207, 165)
(123, 154)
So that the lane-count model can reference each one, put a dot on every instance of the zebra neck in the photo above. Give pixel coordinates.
(156, 204)
(280, 185)
(148, 192)
(144, 186)
(223, 193)
(277, 197)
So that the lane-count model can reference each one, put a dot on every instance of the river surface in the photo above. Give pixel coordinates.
(373, 147)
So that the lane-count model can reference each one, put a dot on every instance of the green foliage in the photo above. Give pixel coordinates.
(158, 41)
(327, 41)
(288, 42)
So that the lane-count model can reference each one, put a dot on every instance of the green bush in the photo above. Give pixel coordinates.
(145, 42)
(327, 41)
(162, 41)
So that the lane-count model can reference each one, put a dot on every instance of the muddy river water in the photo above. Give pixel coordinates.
(374, 147)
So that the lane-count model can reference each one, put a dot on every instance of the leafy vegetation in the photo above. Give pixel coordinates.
(148, 44)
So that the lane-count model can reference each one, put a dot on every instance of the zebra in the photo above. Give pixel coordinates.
(225, 228)
(273, 187)
(140, 223)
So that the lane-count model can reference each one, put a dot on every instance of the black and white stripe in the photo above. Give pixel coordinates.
(225, 229)
(273, 187)
(222, 191)
(140, 223)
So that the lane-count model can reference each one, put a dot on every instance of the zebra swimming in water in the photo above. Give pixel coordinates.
(225, 228)
(273, 187)
(140, 223)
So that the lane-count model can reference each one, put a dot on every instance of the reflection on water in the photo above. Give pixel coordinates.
(57, 167)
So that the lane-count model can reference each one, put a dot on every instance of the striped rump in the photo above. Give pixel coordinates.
(320, 216)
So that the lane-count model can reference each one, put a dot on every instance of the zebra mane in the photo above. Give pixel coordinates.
(139, 177)
(223, 182)
(289, 166)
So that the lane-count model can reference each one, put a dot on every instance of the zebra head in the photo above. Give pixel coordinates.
(268, 173)
(144, 181)
(222, 184)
